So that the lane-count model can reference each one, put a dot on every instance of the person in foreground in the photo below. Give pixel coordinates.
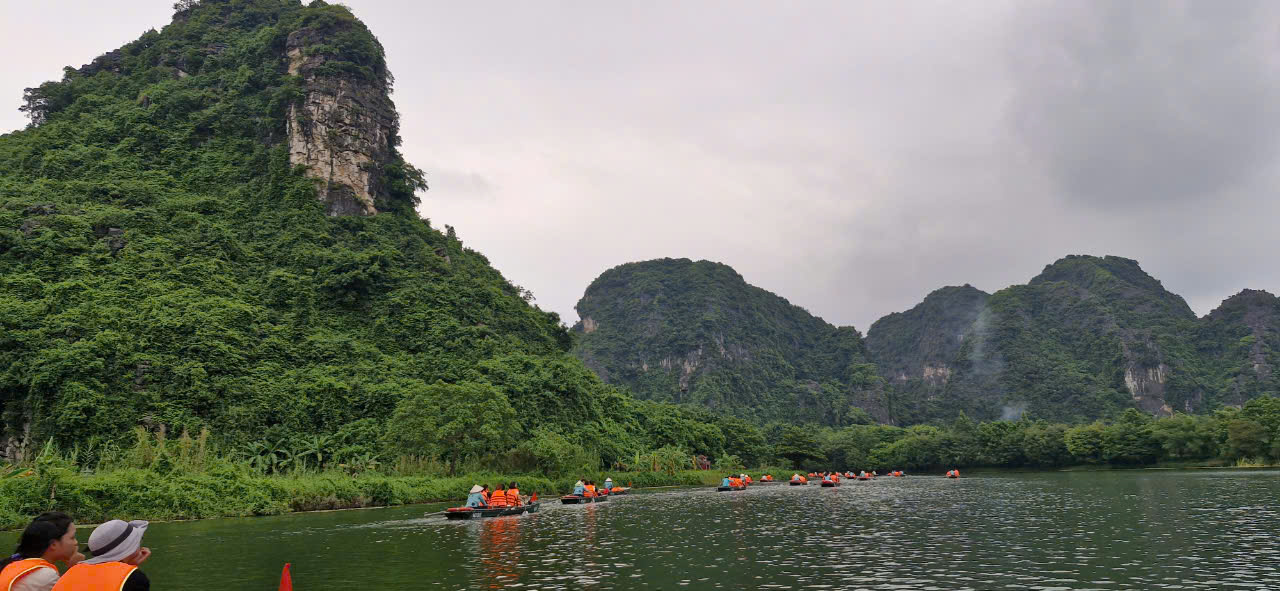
(51, 537)
(117, 551)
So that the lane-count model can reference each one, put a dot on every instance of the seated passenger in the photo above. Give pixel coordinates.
(476, 497)
(513, 495)
(499, 497)
(727, 481)
(608, 484)
(579, 488)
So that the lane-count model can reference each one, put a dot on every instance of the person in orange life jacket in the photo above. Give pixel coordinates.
(513, 495)
(117, 551)
(51, 537)
(499, 497)
(591, 488)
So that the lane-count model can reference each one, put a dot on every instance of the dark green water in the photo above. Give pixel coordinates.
(1195, 529)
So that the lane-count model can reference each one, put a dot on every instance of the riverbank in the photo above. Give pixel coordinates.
(144, 494)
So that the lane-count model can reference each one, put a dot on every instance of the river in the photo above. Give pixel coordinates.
(1141, 529)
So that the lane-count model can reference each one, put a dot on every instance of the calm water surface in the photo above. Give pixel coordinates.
(1196, 529)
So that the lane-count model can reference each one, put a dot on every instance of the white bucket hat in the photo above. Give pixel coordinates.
(115, 540)
(477, 488)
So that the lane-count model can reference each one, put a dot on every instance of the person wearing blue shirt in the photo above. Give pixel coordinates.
(476, 498)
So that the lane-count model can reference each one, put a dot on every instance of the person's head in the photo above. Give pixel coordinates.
(117, 541)
(51, 536)
(501, 486)
(512, 485)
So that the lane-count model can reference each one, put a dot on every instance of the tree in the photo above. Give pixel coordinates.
(799, 447)
(453, 422)
(1129, 440)
(1085, 442)
(1246, 439)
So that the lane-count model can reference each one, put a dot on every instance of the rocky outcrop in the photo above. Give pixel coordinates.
(1146, 386)
(343, 128)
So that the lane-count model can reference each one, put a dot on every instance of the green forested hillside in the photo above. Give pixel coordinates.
(1087, 338)
(695, 332)
(164, 264)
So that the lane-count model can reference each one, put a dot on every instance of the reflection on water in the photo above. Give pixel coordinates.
(1112, 530)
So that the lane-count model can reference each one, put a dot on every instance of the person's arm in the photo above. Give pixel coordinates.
(137, 581)
(41, 579)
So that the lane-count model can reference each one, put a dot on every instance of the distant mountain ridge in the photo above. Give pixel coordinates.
(696, 332)
(1086, 338)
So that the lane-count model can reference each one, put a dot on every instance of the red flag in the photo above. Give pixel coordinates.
(286, 581)
(534, 499)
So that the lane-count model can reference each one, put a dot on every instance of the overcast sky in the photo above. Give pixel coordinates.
(849, 156)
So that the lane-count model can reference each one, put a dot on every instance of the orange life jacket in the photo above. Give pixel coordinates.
(108, 576)
(498, 499)
(513, 496)
(591, 490)
(21, 568)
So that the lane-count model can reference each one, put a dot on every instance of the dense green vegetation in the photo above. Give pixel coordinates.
(186, 479)
(1247, 436)
(162, 264)
(696, 333)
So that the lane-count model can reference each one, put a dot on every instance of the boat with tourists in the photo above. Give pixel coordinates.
(478, 512)
(732, 483)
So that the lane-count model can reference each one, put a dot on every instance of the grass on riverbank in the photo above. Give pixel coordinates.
(231, 492)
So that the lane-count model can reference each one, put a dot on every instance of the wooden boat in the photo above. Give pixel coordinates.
(797, 482)
(830, 483)
(581, 500)
(478, 512)
(728, 488)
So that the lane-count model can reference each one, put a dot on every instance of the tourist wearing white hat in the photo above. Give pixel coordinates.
(117, 551)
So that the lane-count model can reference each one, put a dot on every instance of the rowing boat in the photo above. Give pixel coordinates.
(729, 488)
(830, 483)
(581, 500)
(798, 483)
(476, 512)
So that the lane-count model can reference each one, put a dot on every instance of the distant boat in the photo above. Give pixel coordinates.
(581, 500)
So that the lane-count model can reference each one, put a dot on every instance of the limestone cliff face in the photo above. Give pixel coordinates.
(342, 130)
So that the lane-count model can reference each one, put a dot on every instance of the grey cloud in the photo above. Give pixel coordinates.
(1144, 102)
